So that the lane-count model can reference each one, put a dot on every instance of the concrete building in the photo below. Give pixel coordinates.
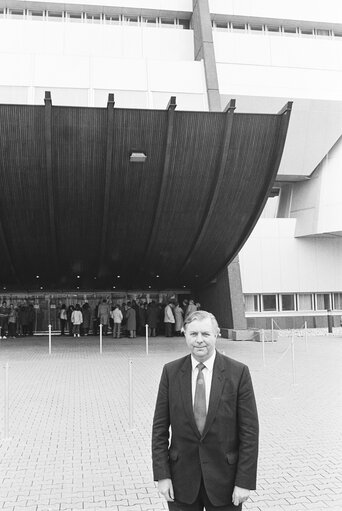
(206, 52)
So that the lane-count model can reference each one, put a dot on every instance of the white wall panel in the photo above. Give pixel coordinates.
(193, 102)
(289, 264)
(62, 96)
(176, 76)
(107, 73)
(61, 71)
(14, 95)
(16, 71)
(327, 11)
(123, 98)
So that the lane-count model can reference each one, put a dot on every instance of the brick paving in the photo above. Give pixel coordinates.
(72, 446)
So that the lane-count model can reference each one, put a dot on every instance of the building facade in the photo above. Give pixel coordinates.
(206, 52)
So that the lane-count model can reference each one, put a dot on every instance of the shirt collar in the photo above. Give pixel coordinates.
(209, 364)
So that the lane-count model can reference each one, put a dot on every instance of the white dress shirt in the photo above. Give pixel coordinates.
(207, 375)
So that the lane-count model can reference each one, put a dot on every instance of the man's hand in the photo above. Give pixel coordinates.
(239, 495)
(166, 489)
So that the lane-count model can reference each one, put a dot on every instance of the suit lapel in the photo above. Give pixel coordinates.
(217, 384)
(186, 393)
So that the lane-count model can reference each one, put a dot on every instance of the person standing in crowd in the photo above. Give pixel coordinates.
(86, 313)
(63, 318)
(12, 321)
(4, 312)
(169, 320)
(31, 319)
(76, 320)
(210, 459)
(103, 314)
(142, 318)
(95, 319)
(131, 320)
(190, 309)
(24, 317)
(70, 310)
(178, 311)
(117, 320)
(152, 315)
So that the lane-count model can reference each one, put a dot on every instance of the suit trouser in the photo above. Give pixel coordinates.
(202, 502)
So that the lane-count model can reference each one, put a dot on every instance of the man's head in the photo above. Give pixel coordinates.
(201, 331)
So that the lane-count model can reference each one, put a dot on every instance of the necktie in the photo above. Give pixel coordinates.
(200, 411)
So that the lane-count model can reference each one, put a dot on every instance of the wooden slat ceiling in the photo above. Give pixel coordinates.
(72, 204)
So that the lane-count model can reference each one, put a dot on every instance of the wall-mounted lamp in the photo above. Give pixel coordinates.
(137, 157)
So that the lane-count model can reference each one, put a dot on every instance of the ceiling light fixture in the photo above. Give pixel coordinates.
(137, 157)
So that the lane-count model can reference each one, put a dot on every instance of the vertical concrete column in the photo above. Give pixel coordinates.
(204, 50)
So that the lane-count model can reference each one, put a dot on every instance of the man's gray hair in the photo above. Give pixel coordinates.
(200, 316)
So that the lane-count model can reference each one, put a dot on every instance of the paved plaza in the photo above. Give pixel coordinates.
(73, 443)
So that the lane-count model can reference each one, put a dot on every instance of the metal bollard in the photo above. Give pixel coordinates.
(49, 339)
(130, 393)
(146, 332)
(6, 403)
(263, 347)
(101, 338)
(293, 360)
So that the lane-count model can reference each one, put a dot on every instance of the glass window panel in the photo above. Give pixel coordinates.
(269, 302)
(338, 33)
(256, 28)
(273, 28)
(305, 302)
(74, 16)
(167, 22)
(306, 31)
(290, 30)
(114, 20)
(184, 24)
(149, 21)
(238, 26)
(323, 301)
(288, 302)
(55, 16)
(251, 303)
(322, 31)
(219, 25)
(338, 301)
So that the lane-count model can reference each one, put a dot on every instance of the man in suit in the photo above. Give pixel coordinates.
(210, 458)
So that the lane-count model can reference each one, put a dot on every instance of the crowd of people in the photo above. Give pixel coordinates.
(128, 319)
(18, 320)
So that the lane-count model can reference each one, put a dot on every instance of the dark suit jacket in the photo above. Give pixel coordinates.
(226, 453)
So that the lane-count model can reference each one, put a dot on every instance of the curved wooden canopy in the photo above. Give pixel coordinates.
(76, 212)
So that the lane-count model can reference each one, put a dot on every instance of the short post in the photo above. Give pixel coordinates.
(146, 332)
(49, 339)
(306, 335)
(293, 359)
(263, 346)
(6, 403)
(101, 338)
(272, 329)
(130, 392)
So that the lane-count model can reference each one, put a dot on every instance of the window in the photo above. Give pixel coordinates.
(149, 21)
(290, 30)
(16, 13)
(55, 16)
(220, 25)
(131, 20)
(306, 31)
(274, 29)
(252, 303)
(185, 24)
(269, 302)
(338, 33)
(256, 28)
(113, 20)
(337, 301)
(93, 18)
(238, 26)
(323, 301)
(74, 16)
(167, 22)
(305, 302)
(322, 32)
(288, 302)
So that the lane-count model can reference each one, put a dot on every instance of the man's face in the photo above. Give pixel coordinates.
(201, 339)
